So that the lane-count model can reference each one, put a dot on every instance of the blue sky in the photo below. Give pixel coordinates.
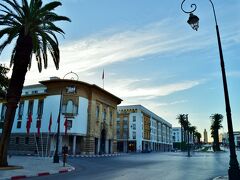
(151, 56)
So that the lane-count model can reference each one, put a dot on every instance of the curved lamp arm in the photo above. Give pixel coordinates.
(193, 6)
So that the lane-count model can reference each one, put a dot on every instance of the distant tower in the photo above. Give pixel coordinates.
(205, 136)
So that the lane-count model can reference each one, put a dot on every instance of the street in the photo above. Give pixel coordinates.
(164, 166)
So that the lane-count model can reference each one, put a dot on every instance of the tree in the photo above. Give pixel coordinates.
(198, 136)
(32, 24)
(182, 121)
(4, 81)
(215, 126)
(192, 130)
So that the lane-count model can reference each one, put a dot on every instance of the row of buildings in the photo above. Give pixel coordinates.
(91, 121)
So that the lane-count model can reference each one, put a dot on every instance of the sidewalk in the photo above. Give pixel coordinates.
(33, 166)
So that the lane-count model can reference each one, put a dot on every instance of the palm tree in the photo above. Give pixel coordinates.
(215, 126)
(4, 81)
(33, 25)
(192, 130)
(198, 136)
(182, 121)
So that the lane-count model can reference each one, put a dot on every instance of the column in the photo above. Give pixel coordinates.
(74, 145)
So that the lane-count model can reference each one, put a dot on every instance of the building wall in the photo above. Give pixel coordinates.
(152, 132)
(84, 128)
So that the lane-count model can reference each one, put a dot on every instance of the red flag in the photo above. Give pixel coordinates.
(38, 126)
(66, 126)
(28, 125)
(50, 123)
(103, 75)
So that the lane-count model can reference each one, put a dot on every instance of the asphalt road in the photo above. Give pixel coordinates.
(149, 166)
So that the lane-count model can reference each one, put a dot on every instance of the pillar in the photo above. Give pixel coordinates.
(74, 145)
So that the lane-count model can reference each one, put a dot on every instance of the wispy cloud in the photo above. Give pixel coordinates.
(125, 89)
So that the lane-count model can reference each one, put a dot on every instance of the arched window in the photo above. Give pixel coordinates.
(70, 107)
(104, 114)
(97, 112)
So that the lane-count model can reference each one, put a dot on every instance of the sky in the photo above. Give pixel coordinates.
(151, 56)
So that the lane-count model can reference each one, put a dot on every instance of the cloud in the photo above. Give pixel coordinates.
(124, 88)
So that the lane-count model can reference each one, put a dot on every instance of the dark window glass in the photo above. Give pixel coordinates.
(20, 109)
(30, 107)
(19, 124)
(40, 108)
(3, 111)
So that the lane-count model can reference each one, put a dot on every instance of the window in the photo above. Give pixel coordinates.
(26, 140)
(97, 112)
(34, 92)
(20, 109)
(70, 107)
(30, 107)
(111, 117)
(134, 118)
(134, 135)
(134, 126)
(40, 108)
(4, 108)
(17, 140)
(19, 124)
(104, 114)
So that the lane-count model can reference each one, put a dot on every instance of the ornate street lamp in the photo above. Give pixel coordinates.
(233, 171)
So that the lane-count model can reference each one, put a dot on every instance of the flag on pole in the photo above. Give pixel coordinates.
(66, 126)
(50, 123)
(103, 75)
(38, 127)
(29, 121)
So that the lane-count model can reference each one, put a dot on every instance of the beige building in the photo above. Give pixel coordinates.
(87, 115)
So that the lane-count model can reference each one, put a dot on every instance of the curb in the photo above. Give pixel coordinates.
(40, 174)
(90, 156)
(221, 178)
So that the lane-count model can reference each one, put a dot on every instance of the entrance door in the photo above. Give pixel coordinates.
(96, 145)
(103, 141)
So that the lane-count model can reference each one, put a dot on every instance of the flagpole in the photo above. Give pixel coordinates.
(36, 143)
(103, 78)
(41, 143)
(47, 145)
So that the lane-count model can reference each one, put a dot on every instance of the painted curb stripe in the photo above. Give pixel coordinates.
(43, 174)
(18, 177)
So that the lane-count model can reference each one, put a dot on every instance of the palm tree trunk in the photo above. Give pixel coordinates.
(21, 60)
(217, 142)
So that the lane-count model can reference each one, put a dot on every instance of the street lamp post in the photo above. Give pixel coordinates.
(233, 171)
(56, 156)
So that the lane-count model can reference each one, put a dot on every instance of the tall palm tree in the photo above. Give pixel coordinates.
(32, 24)
(192, 130)
(215, 126)
(182, 121)
(198, 136)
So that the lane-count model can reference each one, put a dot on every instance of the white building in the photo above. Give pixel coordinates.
(177, 135)
(139, 129)
(88, 114)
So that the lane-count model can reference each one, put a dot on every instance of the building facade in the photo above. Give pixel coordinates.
(139, 129)
(87, 116)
